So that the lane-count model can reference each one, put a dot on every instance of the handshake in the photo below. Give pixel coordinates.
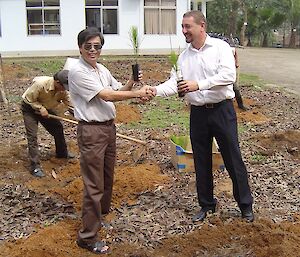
(146, 93)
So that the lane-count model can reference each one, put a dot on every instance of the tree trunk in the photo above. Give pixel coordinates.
(2, 92)
(265, 40)
(249, 43)
(292, 43)
(245, 23)
(232, 22)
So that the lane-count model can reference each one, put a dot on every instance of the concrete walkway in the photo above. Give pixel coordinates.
(274, 65)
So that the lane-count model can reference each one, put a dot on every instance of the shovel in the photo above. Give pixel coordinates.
(118, 135)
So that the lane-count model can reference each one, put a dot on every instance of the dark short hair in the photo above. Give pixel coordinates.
(62, 77)
(197, 15)
(88, 33)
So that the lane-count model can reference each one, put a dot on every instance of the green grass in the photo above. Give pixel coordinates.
(158, 113)
(14, 98)
(257, 158)
(163, 113)
(251, 81)
(43, 65)
(243, 127)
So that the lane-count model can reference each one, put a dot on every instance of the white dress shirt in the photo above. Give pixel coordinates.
(212, 66)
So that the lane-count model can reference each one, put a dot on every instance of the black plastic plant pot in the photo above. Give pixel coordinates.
(135, 71)
(180, 94)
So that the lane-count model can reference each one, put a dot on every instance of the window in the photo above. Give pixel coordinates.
(160, 16)
(102, 14)
(43, 17)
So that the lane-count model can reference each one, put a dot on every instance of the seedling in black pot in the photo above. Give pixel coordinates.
(173, 58)
(135, 41)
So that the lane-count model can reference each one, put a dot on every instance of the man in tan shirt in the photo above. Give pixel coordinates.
(40, 99)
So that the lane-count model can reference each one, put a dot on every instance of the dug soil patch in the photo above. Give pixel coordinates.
(153, 204)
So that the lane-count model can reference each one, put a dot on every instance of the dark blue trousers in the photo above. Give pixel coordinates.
(219, 121)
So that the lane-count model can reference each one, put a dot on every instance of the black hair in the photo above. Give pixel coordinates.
(88, 33)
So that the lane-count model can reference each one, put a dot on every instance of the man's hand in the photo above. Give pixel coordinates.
(44, 112)
(151, 92)
(131, 82)
(186, 86)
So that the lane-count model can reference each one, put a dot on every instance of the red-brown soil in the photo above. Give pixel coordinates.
(152, 202)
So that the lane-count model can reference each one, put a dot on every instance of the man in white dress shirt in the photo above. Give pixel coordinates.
(208, 70)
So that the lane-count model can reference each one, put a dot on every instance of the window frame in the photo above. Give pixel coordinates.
(42, 26)
(102, 7)
(160, 8)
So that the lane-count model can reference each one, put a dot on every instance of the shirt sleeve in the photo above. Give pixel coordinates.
(116, 85)
(169, 87)
(108, 78)
(226, 72)
(66, 99)
(31, 95)
(84, 85)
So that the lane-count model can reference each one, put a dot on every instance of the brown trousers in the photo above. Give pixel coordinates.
(97, 146)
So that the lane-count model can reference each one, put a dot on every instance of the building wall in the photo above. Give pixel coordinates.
(15, 41)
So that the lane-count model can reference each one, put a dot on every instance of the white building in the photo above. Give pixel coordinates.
(50, 27)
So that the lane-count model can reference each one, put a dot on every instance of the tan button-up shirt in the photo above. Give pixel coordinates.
(42, 93)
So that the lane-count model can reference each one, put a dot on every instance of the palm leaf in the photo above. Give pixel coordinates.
(173, 58)
(135, 41)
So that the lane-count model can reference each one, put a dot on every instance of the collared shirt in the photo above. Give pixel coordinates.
(85, 82)
(212, 66)
(42, 93)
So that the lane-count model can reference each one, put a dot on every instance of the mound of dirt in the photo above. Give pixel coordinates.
(288, 141)
(127, 113)
(131, 181)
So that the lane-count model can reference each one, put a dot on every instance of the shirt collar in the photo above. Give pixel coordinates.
(91, 68)
(208, 42)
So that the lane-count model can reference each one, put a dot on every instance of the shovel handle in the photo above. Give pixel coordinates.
(131, 139)
(62, 118)
(118, 135)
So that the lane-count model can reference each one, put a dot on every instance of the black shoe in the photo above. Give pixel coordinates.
(203, 213)
(68, 156)
(248, 215)
(98, 247)
(38, 172)
(243, 107)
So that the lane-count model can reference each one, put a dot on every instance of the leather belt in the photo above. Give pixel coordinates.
(93, 122)
(214, 105)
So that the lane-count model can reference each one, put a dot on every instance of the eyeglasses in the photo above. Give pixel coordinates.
(89, 47)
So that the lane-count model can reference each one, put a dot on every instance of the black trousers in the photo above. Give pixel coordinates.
(218, 121)
(53, 126)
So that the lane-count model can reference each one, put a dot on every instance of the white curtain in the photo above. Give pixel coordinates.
(159, 19)
(168, 21)
(151, 2)
(168, 2)
(151, 21)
